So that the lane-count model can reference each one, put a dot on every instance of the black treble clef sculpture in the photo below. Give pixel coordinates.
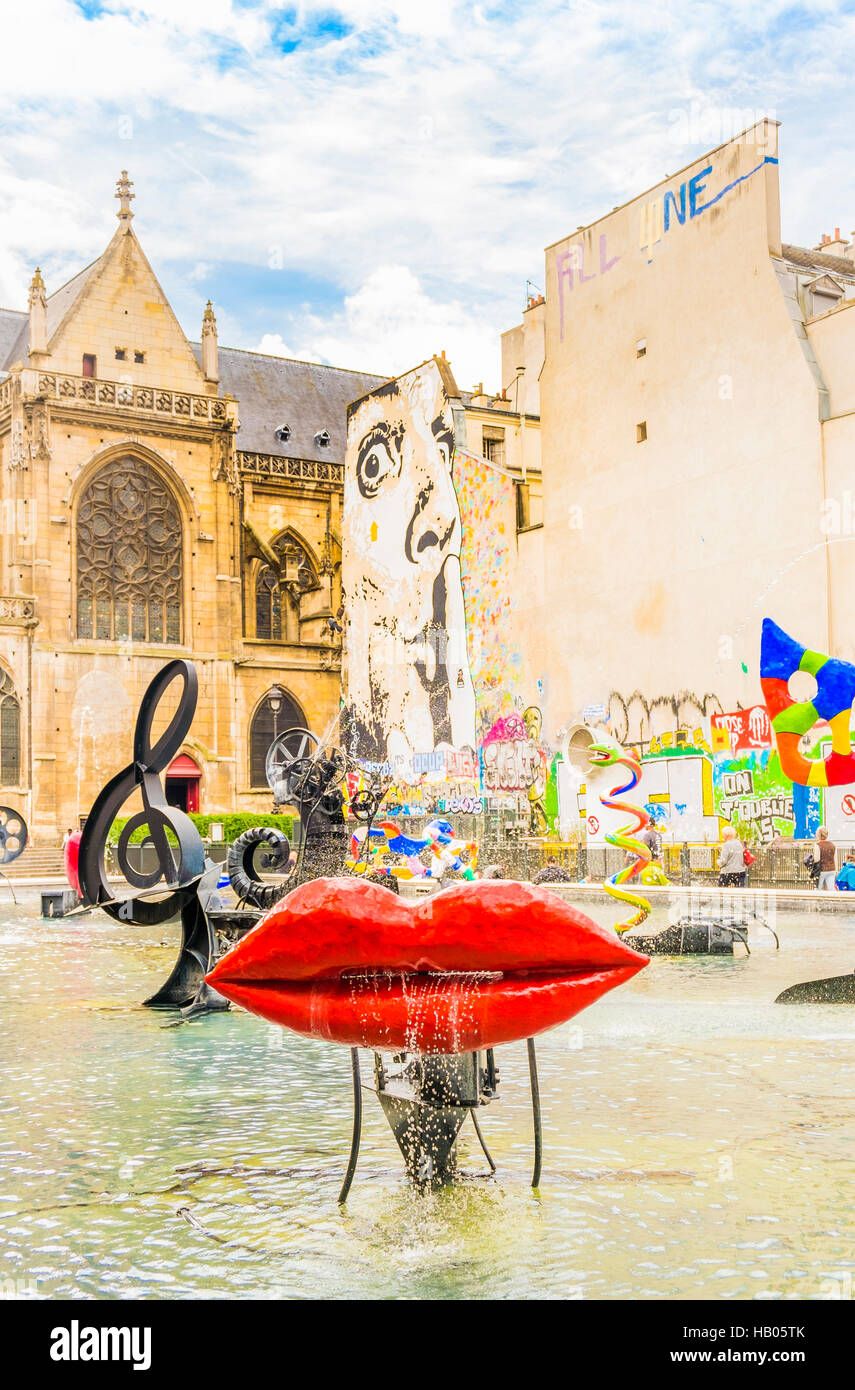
(182, 872)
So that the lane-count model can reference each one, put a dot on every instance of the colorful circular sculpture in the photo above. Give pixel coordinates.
(780, 657)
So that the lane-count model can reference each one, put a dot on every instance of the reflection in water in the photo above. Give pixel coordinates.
(698, 1140)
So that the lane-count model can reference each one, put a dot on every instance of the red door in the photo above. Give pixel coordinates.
(183, 777)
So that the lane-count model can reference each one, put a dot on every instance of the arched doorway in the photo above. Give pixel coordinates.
(182, 783)
(275, 713)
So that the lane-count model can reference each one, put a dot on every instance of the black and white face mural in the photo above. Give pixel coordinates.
(408, 687)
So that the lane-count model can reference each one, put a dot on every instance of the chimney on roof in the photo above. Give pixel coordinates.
(38, 315)
(210, 364)
(836, 245)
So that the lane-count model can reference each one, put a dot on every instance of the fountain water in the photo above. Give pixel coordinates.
(438, 984)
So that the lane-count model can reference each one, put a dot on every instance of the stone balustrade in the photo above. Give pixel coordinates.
(17, 610)
(155, 401)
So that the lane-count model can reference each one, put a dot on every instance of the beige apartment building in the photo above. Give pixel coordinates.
(697, 394)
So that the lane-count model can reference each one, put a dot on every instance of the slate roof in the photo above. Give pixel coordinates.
(11, 323)
(58, 305)
(805, 259)
(274, 391)
(271, 391)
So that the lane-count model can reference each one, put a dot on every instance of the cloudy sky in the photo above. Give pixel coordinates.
(366, 183)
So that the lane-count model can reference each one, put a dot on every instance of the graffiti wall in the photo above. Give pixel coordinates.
(408, 684)
(751, 792)
(434, 687)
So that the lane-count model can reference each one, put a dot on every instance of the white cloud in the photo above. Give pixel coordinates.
(391, 324)
(274, 345)
(452, 139)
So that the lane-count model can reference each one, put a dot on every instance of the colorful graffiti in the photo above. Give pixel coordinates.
(570, 269)
(741, 731)
(753, 795)
(657, 217)
(514, 761)
(486, 497)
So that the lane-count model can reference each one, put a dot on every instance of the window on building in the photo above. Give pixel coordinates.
(493, 446)
(267, 723)
(641, 348)
(129, 556)
(823, 300)
(89, 364)
(268, 606)
(523, 506)
(121, 354)
(139, 356)
(529, 505)
(277, 593)
(10, 733)
(641, 432)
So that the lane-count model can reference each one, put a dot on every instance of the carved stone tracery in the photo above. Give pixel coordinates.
(296, 576)
(129, 556)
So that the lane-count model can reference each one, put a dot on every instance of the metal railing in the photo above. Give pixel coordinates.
(686, 865)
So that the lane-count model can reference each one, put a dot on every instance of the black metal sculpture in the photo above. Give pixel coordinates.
(700, 934)
(13, 840)
(182, 879)
(13, 834)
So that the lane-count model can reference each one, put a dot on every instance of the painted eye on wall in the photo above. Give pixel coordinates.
(374, 463)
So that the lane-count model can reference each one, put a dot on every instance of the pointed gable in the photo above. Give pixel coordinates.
(117, 306)
(826, 284)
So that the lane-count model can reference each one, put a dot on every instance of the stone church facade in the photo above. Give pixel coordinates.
(159, 498)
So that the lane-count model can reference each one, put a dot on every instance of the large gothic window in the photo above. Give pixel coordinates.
(277, 593)
(10, 734)
(129, 556)
(277, 712)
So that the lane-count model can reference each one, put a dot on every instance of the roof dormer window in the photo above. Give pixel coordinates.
(322, 439)
(283, 434)
(824, 293)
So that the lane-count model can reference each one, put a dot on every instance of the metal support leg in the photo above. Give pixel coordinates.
(357, 1127)
(482, 1142)
(535, 1106)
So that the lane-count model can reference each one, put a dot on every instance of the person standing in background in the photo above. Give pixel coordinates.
(731, 860)
(825, 853)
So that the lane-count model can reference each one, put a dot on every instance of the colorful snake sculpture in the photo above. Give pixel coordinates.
(601, 755)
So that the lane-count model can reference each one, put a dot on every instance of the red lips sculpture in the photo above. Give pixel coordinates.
(472, 967)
